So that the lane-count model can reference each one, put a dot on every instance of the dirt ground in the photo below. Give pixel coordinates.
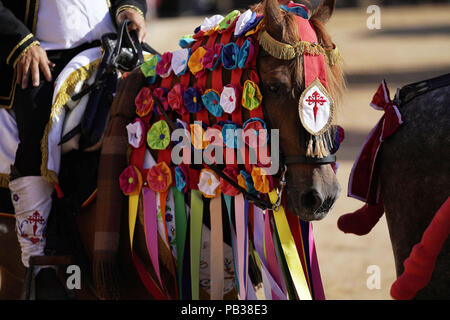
(413, 44)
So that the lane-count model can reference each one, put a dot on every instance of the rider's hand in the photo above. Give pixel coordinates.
(137, 22)
(33, 61)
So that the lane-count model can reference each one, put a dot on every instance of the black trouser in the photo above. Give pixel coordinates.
(32, 108)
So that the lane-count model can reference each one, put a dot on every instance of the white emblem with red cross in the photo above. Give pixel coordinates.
(316, 108)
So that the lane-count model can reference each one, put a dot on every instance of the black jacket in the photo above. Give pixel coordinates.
(17, 27)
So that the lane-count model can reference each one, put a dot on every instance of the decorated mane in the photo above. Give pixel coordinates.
(209, 91)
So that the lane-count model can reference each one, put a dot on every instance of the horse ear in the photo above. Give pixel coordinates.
(273, 18)
(324, 11)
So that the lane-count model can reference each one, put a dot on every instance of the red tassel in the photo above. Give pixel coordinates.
(361, 221)
(59, 192)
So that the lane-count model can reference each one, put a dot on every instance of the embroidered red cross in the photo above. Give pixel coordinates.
(316, 98)
(36, 218)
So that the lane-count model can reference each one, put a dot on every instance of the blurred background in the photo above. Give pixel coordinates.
(412, 44)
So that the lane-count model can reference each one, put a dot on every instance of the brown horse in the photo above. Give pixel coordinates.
(311, 188)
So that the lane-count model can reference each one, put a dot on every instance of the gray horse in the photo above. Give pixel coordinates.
(413, 169)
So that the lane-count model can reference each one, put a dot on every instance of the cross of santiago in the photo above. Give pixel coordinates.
(36, 218)
(316, 98)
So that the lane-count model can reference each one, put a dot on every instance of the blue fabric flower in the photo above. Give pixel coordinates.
(250, 23)
(186, 41)
(246, 54)
(297, 10)
(192, 100)
(211, 100)
(230, 53)
(180, 179)
(229, 135)
(249, 182)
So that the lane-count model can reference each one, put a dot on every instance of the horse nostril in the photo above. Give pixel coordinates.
(311, 200)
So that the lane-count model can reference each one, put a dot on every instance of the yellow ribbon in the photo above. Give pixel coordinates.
(290, 251)
(133, 204)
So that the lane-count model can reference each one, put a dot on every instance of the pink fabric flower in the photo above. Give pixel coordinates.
(164, 66)
(212, 57)
(130, 181)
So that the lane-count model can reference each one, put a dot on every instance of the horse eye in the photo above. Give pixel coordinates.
(274, 88)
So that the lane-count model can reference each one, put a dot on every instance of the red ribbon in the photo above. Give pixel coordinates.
(362, 186)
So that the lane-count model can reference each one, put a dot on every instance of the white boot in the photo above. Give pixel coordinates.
(31, 197)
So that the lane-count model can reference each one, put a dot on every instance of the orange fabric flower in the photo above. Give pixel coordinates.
(260, 180)
(159, 177)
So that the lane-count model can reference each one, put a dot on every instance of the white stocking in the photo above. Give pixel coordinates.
(31, 197)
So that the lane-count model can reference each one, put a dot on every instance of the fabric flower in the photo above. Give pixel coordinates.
(229, 98)
(212, 57)
(144, 102)
(214, 135)
(260, 180)
(158, 137)
(253, 27)
(180, 60)
(255, 133)
(135, 132)
(230, 53)
(211, 23)
(242, 21)
(159, 177)
(209, 184)
(225, 187)
(228, 20)
(185, 41)
(161, 95)
(198, 137)
(195, 63)
(130, 181)
(164, 66)
(229, 135)
(181, 178)
(251, 95)
(211, 100)
(247, 54)
(148, 68)
(192, 100)
(245, 181)
(176, 99)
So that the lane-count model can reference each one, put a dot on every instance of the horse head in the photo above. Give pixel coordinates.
(312, 189)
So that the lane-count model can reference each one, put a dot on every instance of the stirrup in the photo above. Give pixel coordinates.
(29, 292)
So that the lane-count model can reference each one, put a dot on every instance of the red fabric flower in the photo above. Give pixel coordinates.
(228, 189)
(176, 99)
(144, 102)
(159, 177)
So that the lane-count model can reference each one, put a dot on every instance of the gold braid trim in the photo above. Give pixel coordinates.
(21, 42)
(4, 180)
(128, 6)
(31, 45)
(284, 51)
(64, 94)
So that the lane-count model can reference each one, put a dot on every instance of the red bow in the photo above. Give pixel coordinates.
(362, 186)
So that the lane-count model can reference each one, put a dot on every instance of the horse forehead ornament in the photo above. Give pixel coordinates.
(246, 190)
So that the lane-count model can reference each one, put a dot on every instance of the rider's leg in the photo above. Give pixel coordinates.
(31, 193)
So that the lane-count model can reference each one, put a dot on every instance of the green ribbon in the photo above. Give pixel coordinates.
(196, 240)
